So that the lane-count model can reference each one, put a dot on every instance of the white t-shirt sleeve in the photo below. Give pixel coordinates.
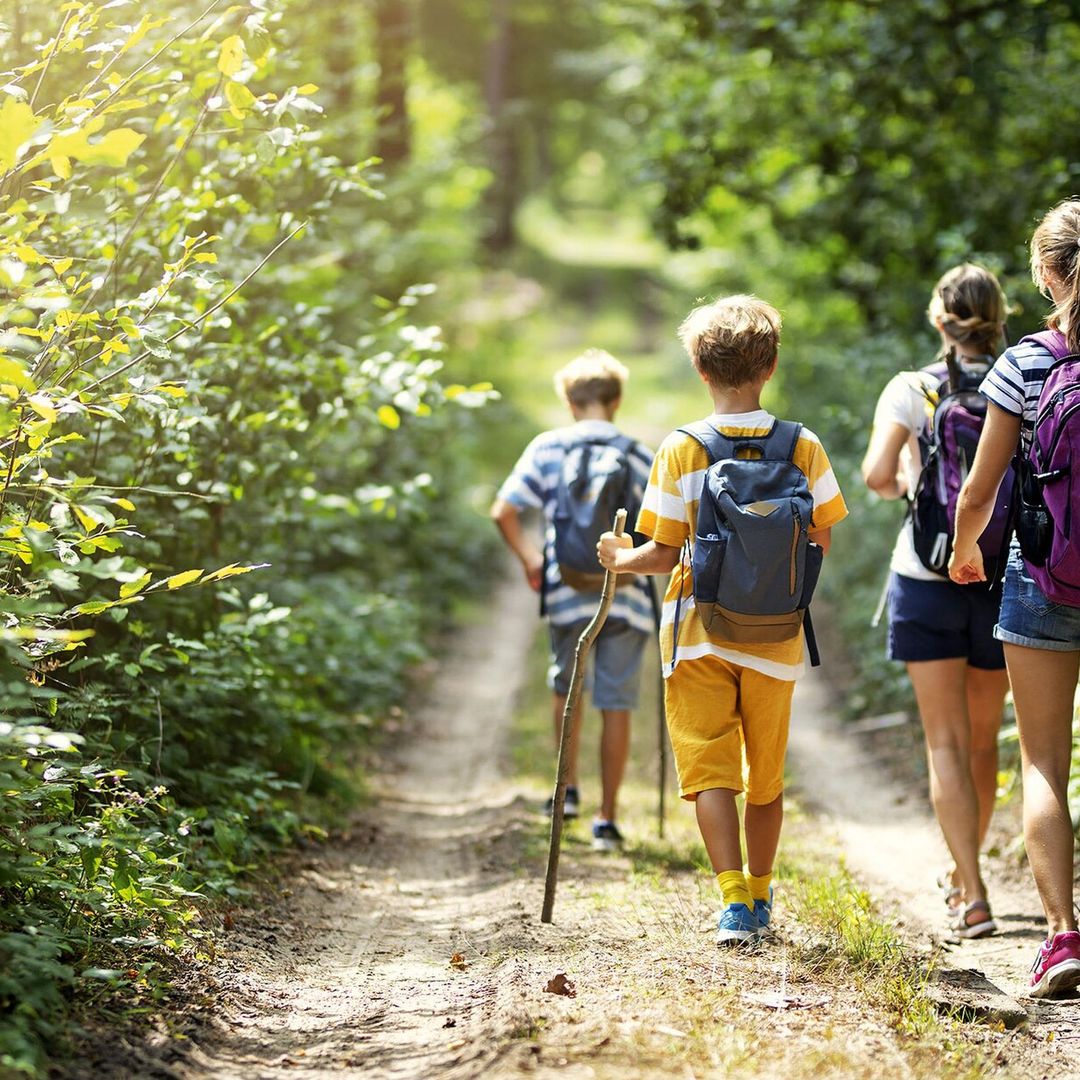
(904, 401)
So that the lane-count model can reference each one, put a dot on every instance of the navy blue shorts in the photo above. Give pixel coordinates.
(939, 620)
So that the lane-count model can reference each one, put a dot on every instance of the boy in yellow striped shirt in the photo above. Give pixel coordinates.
(728, 703)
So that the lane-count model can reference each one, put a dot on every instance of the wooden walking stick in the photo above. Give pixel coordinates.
(573, 696)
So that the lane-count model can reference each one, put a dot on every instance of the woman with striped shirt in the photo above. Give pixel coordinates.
(1041, 638)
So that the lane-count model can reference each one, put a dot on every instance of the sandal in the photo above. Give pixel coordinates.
(982, 925)
(950, 892)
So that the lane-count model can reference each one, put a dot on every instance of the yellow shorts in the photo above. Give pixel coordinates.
(728, 727)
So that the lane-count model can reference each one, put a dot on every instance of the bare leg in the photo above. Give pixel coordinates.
(558, 706)
(718, 820)
(986, 701)
(614, 751)
(1044, 683)
(763, 824)
(940, 690)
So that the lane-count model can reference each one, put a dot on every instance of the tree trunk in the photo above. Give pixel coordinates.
(502, 195)
(393, 30)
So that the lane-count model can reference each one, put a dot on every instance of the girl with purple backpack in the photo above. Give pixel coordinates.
(926, 426)
(1033, 391)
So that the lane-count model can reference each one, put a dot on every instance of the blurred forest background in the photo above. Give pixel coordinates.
(282, 285)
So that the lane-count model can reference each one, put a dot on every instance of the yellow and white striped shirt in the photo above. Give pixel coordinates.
(669, 516)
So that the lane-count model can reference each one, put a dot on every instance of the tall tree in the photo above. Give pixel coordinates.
(393, 37)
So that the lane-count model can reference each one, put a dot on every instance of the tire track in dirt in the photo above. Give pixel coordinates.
(892, 844)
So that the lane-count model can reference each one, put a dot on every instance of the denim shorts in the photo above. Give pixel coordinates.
(1028, 618)
(939, 620)
(613, 671)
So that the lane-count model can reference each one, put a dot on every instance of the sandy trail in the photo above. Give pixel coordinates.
(349, 972)
(363, 985)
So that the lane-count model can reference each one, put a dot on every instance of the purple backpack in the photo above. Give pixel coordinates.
(947, 446)
(1046, 478)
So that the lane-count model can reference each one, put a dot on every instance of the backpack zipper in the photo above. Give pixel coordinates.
(1059, 396)
(797, 522)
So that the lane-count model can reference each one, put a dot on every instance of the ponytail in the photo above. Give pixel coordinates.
(1069, 311)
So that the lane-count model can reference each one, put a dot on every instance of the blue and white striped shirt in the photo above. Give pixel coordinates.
(533, 484)
(1015, 382)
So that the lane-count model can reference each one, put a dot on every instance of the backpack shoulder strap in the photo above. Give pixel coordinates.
(1053, 341)
(717, 446)
(780, 443)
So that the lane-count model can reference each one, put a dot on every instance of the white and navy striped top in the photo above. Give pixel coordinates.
(533, 484)
(1015, 382)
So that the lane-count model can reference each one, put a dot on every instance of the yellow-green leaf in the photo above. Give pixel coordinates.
(307, 88)
(231, 571)
(186, 578)
(232, 56)
(87, 518)
(61, 266)
(205, 257)
(17, 124)
(125, 504)
(11, 371)
(130, 588)
(388, 417)
(240, 99)
(43, 407)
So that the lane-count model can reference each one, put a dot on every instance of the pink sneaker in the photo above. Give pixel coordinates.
(1057, 967)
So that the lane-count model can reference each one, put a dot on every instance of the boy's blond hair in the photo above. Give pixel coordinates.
(732, 341)
(593, 378)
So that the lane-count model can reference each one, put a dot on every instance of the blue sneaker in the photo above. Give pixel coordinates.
(737, 925)
(763, 910)
(606, 837)
(571, 804)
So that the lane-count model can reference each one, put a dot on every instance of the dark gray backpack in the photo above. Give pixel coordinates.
(754, 566)
(595, 480)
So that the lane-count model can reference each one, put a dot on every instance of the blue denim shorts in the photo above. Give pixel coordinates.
(1028, 618)
(613, 672)
(939, 620)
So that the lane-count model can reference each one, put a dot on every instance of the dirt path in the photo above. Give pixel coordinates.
(891, 842)
(411, 947)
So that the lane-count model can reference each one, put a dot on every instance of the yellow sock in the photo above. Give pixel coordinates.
(759, 886)
(733, 887)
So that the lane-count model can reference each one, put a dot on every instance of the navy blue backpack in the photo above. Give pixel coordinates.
(754, 566)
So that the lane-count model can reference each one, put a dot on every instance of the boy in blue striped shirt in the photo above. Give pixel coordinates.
(591, 386)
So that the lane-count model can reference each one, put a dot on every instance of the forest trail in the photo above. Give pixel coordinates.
(412, 946)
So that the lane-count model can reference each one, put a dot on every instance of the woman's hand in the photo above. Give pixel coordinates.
(966, 565)
(608, 548)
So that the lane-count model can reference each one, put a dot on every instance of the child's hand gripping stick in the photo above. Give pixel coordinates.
(573, 696)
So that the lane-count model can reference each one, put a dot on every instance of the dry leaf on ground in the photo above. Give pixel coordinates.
(560, 984)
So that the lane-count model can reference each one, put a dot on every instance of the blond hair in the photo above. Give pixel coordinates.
(732, 341)
(1055, 251)
(593, 378)
(968, 304)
